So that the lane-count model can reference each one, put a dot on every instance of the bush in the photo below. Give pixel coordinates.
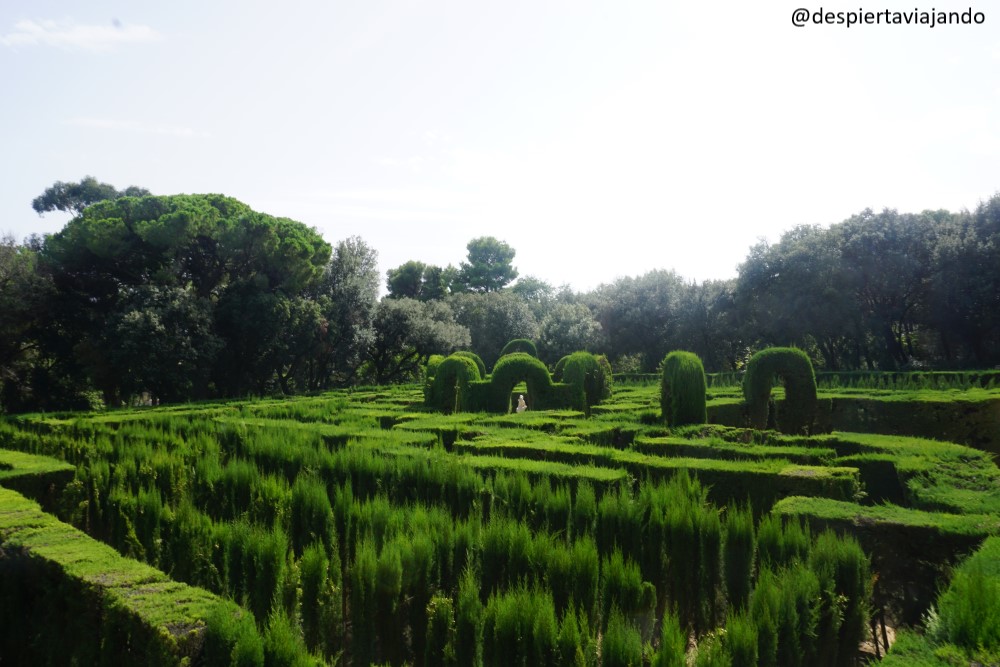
(795, 370)
(557, 372)
(475, 357)
(969, 609)
(449, 391)
(520, 345)
(584, 370)
(432, 365)
(682, 389)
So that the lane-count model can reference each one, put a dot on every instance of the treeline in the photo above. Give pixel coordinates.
(188, 297)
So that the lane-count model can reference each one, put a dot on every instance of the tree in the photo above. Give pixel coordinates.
(347, 296)
(406, 280)
(77, 196)
(23, 294)
(566, 328)
(493, 319)
(489, 267)
(407, 333)
(255, 270)
(639, 315)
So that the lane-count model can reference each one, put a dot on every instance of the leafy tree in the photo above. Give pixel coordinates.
(407, 333)
(254, 269)
(493, 319)
(889, 257)
(406, 280)
(24, 292)
(489, 267)
(566, 328)
(640, 315)
(801, 292)
(964, 293)
(77, 196)
(347, 295)
(162, 340)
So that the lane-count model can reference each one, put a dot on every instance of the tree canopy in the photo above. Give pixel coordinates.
(489, 267)
(77, 196)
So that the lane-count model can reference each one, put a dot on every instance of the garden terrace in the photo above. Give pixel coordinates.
(359, 511)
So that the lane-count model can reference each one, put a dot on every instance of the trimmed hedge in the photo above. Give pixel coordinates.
(542, 392)
(584, 369)
(449, 392)
(520, 345)
(557, 372)
(795, 370)
(38, 477)
(69, 599)
(682, 389)
(476, 358)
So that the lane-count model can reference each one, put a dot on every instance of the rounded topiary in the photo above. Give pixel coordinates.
(586, 370)
(557, 372)
(793, 367)
(682, 389)
(476, 358)
(451, 382)
(432, 365)
(520, 345)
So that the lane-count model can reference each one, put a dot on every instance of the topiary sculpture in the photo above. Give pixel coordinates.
(682, 389)
(793, 367)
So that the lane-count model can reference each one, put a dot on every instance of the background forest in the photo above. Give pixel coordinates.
(198, 296)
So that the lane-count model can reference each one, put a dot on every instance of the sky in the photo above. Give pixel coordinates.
(599, 139)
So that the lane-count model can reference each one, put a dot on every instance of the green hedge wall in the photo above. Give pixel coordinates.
(476, 358)
(793, 367)
(69, 599)
(583, 368)
(542, 394)
(450, 389)
(682, 389)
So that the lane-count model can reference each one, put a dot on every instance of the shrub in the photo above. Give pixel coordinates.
(622, 645)
(795, 370)
(475, 357)
(520, 345)
(682, 389)
(739, 554)
(584, 370)
(449, 390)
(432, 365)
(557, 372)
(969, 609)
(517, 367)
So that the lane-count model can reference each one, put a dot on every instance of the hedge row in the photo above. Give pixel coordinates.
(910, 549)
(457, 384)
(69, 599)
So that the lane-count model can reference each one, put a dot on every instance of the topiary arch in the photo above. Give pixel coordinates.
(457, 384)
(449, 391)
(512, 369)
(682, 389)
(793, 367)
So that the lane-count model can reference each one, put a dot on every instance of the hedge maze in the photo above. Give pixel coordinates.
(433, 526)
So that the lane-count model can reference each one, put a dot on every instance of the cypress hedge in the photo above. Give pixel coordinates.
(683, 389)
(480, 364)
(449, 391)
(795, 370)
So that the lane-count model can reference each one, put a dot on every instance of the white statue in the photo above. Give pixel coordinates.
(521, 405)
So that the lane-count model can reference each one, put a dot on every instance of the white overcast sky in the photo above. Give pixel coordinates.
(600, 139)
